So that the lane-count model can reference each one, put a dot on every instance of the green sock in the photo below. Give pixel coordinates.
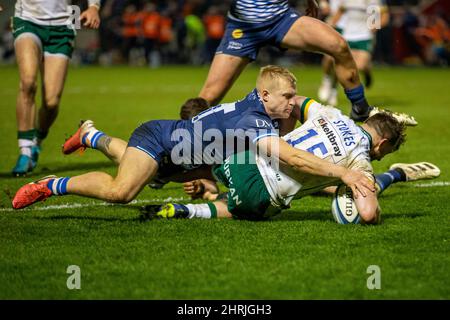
(41, 135)
(26, 135)
(213, 209)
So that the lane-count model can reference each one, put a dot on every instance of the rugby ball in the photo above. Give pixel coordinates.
(343, 206)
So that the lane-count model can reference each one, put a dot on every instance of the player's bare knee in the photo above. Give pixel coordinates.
(51, 102)
(120, 195)
(339, 48)
(28, 86)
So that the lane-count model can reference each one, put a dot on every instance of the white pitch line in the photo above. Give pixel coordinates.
(92, 204)
(433, 184)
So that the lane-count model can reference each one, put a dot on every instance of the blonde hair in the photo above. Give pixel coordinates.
(269, 76)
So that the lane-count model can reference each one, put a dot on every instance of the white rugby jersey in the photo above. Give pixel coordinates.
(46, 12)
(357, 14)
(257, 11)
(329, 135)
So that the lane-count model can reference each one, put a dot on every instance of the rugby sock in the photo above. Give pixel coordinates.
(326, 80)
(334, 82)
(26, 140)
(91, 138)
(358, 100)
(356, 94)
(41, 135)
(204, 210)
(58, 186)
(384, 180)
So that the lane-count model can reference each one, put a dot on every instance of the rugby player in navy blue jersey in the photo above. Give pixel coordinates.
(154, 142)
(254, 24)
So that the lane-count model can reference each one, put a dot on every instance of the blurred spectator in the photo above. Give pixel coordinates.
(131, 27)
(110, 32)
(195, 37)
(165, 36)
(214, 22)
(410, 24)
(150, 31)
(435, 40)
(7, 44)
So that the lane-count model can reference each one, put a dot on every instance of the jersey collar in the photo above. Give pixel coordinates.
(258, 101)
(368, 136)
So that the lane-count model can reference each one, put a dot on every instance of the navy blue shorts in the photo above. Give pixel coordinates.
(152, 137)
(245, 39)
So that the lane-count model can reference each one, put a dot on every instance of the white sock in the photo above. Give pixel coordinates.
(91, 138)
(25, 146)
(199, 211)
(326, 80)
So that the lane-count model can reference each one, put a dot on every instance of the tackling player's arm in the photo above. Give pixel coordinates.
(306, 162)
(368, 208)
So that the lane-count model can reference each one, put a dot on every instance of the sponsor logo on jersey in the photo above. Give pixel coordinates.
(232, 190)
(18, 29)
(331, 137)
(260, 123)
(237, 33)
(233, 45)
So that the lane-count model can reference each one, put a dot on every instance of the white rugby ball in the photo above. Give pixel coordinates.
(343, 206)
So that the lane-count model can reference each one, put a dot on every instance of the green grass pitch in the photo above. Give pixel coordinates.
(300, 254)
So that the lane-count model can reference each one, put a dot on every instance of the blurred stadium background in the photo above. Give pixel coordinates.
(156, 33)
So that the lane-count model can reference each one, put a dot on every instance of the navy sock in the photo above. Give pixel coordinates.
(58, 186)
(355, 95)
(358, 99)
(91, 138)
(384, 180)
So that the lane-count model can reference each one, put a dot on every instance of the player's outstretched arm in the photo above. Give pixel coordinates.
(309, 163)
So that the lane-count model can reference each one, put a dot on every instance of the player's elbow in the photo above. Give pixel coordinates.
(370, 214)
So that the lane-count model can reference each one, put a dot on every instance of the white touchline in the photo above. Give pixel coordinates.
(93, 204)
(433, 184)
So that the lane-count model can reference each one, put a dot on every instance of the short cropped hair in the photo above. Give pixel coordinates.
(192, 107)
(388, 128)
(270, 74)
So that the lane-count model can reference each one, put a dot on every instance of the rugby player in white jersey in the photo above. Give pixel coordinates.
(357, 21)
(257, 189)
(44, 40)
